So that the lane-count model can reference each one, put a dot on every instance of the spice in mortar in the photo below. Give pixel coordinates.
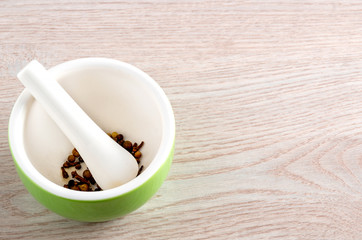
(86, 182)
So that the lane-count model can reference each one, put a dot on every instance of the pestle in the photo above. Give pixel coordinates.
(111, 165)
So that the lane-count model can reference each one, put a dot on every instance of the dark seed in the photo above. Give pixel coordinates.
(119, 137)
(78, 166)
(87, 174)
(137, 154)
(74, 173)
(71, 158)
(66, 165)
(127, 145)
(92, 181)
(80, 159)
(71, 183)
(75, 153)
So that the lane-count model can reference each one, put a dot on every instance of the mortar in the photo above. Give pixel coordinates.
(118, 97)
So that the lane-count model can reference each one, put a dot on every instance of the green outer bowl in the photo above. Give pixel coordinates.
(105, 205)
(101, 210)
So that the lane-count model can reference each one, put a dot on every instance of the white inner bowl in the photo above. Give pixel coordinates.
(118, 97)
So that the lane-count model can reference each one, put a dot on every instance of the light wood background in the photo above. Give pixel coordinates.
(267, 97)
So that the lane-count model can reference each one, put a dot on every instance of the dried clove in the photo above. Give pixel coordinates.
(69, 164)
(75, 153)
(114, 135)
(119, 137)
(71, 183)
(139, 146)
(64, 173)
(78, 177)
(140, 170)
(137, 154)
(78, 166)
(87, 175)
(71, 158)
(127, 145)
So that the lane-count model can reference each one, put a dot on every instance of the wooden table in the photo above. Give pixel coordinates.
(267, 97)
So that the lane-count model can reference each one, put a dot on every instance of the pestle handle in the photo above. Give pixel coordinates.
(110, 164)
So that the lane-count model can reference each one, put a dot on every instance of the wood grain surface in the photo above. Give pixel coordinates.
(267, 97)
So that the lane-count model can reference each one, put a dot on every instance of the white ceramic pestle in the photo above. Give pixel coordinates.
(111, 165)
